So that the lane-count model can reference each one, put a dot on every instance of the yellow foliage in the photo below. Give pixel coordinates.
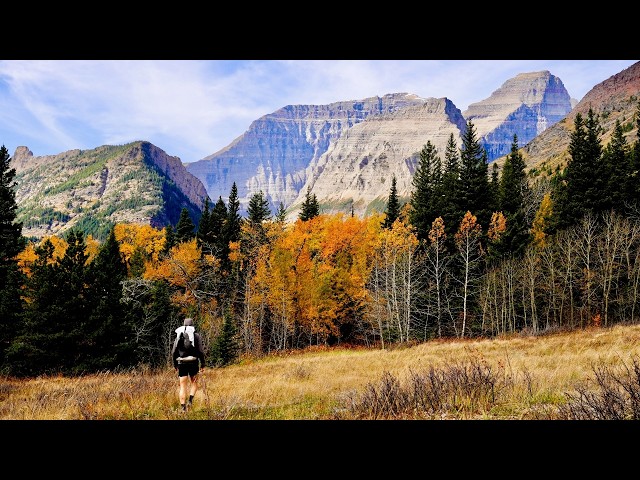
(437, 233)
(133, 235)
(469, 228)
(541, 220)
(497, 226)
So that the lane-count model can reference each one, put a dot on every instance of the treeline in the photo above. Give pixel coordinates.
(473, 253)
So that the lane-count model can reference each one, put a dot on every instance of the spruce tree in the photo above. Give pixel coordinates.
(205, 235)
(107, 344)
(234, 221)
(393, 205)
(225, 348)
(185, 229)
(475, 192)
(169, 239)
(583, 183)
(258, 209)
(618, 164)
(218, 220)
(310, 207)
(447, 197)
(11, 243)
(634, 180)
(513, 190)
(281, 214)
(422, 212)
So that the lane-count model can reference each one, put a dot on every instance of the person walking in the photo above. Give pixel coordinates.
(188, 360)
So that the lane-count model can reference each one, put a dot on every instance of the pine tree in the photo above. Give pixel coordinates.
(169, 239)
(205, 235)
(513, 189)
(258, 209)
(233, 221)
(185, 229)
(634, 180)
(475, 192)
(225, 349)
(310, 207)
(393, 205)
(106, 345)
(618, 164)
(581, 186)
(447, 197)
(425, 183)
(218, 220)
(281, 214)
(11, 243)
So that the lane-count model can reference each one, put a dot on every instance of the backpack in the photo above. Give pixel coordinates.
(186, 341)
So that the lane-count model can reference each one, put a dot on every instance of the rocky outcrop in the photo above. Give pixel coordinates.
(92, 189)
(274, 154)
(616, 98)
(525, 105)
(357, 169)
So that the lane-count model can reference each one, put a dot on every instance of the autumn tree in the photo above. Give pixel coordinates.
(469, 255)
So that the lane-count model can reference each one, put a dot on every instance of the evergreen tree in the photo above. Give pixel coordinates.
(494, 187)
(617, 159)
(393, 205)
(584, 181)
(169, 239)
(634, 180)
(218, 220)
(225, 348)
(106, 345)
(258, 209)
(233, 221)
(205, 235)
(185, 229)
(281, 214)
(425, 179)
(11, 243)
(310, 207)
(513, 189)
(447, 197)
(475, 192)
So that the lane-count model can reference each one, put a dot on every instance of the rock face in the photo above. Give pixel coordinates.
(274, 153)
(616, 98)
(525, 105)
(92, 189)
(357, 169)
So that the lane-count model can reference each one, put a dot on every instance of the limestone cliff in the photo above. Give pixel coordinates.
(525, 105)
(357, 169)
(274, 154)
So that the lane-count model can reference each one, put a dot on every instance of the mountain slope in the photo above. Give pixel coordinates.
(92, 189)
(357, 169)
(616, 98)
(525, 105)
(274, 153)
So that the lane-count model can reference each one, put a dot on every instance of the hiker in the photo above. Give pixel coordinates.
(187, 361)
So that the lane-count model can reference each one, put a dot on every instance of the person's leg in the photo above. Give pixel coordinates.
(183, 391)
(194, 388)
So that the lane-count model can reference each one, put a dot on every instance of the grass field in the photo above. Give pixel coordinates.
(590, 374)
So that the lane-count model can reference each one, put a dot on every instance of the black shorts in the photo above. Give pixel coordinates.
(188, 368)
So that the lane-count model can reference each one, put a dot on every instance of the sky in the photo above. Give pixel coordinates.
(193, 108)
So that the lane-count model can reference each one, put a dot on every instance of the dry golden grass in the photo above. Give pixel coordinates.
(535, 374)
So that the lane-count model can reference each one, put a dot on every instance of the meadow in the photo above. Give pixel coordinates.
(585, 374)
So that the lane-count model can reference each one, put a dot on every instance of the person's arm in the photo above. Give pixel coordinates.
(200, 350)
(174, 352)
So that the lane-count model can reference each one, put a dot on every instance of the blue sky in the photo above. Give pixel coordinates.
(193, 108)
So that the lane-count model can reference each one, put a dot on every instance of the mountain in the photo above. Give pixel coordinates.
(357, 168)
(92, 189)
(616, 98)
(327, 148)
(525, 105)
(274, 153)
